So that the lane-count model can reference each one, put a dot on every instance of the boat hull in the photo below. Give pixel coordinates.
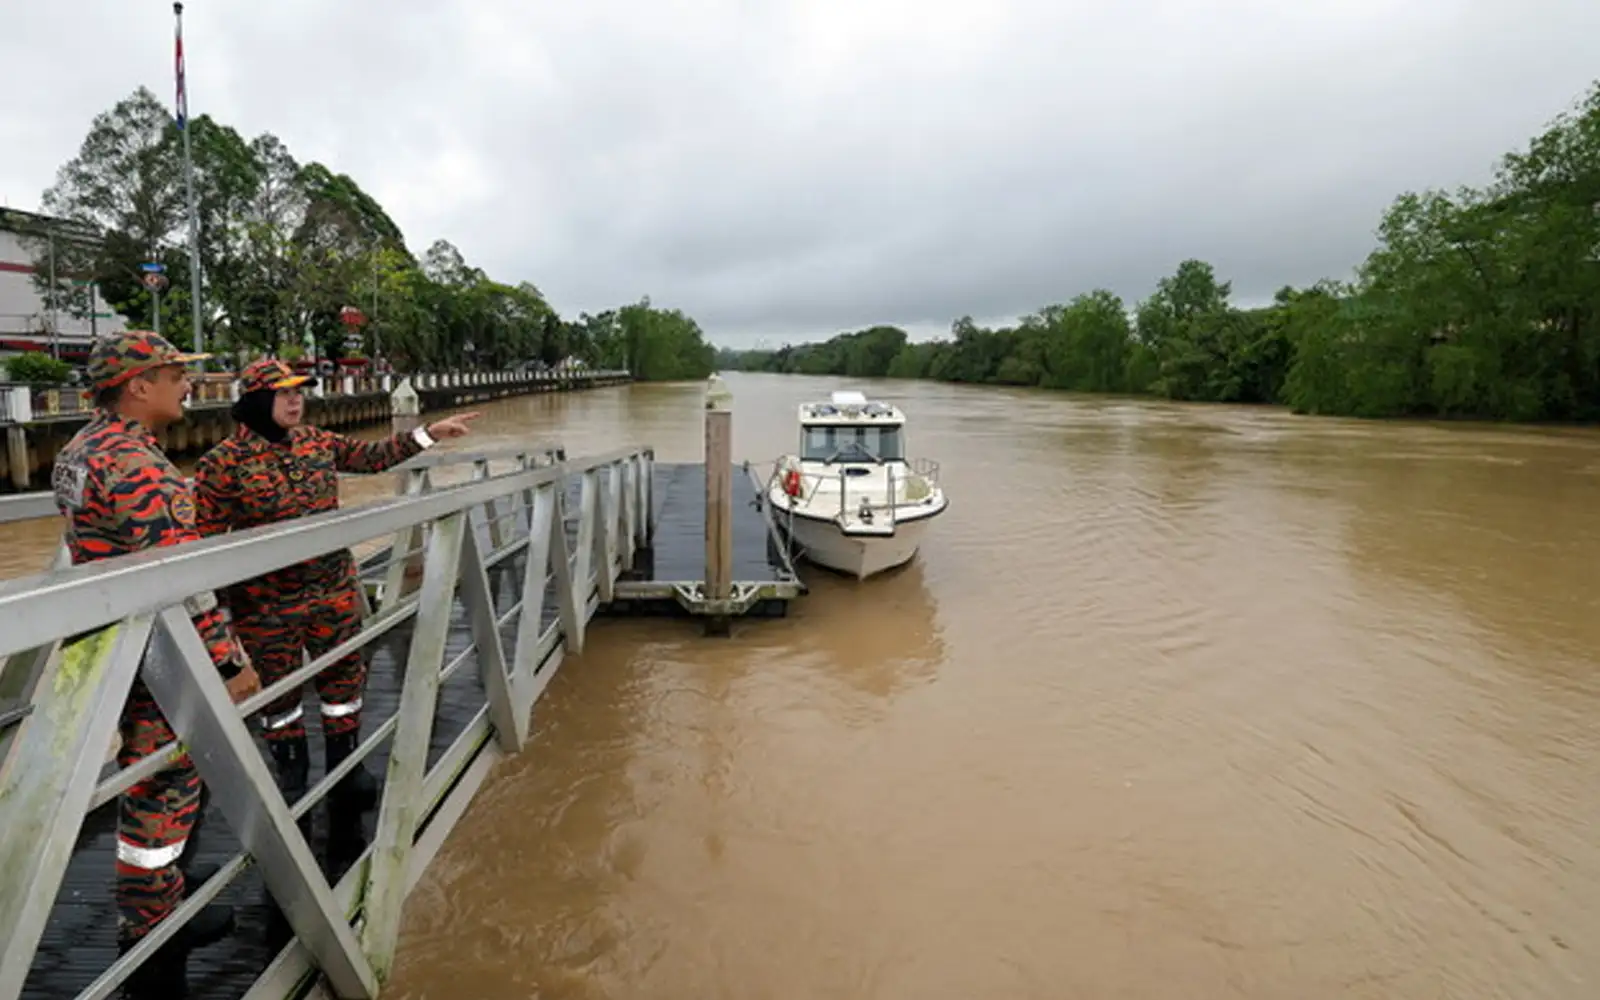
(860, 556)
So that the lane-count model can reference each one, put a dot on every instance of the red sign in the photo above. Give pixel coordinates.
(351, 316)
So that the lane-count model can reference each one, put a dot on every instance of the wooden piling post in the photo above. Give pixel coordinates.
(405, 406)
(17, 457)
(17, 404)
(719, 501)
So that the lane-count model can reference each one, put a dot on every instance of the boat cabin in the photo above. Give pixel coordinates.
(850, 428)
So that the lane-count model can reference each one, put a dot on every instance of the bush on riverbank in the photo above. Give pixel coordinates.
(35, 368)
(1481, 303)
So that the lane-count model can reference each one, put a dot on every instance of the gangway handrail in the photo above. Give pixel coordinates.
(37, 505)
(75, 599)
(108, 612)
(436, 459)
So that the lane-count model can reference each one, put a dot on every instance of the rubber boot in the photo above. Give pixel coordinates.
(348, 800)
(359, 789)
(165, 974)
(347, 837)
(293, 761)
(292, 758)
(196, 873)
(276, 932)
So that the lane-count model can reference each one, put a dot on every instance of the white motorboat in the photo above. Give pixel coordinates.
(850, 499)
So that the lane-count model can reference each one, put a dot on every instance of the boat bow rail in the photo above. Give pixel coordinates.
(872, 506)
(551, 532)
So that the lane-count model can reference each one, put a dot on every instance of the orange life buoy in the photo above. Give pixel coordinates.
(791, 482)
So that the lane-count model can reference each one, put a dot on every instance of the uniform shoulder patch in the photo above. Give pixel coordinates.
(181, 504)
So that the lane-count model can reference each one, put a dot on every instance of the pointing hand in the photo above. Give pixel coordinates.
(452, 427)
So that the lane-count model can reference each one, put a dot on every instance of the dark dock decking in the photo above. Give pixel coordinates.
(79, 942)
(675, 562)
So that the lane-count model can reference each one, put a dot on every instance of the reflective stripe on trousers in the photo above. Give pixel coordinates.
(336, 710)
(286, 719)
(149, 858)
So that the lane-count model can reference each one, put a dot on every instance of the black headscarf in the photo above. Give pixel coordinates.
(254, 410)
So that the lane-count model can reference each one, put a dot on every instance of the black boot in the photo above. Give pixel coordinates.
(276, 934)
(293, 761)
(359, 789)
(165, 974)
(348, 800)
(347, 837)
(196, 873)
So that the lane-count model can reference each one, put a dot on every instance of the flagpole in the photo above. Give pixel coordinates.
(188, 179)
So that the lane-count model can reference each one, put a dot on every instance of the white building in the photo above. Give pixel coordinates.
(27, 322)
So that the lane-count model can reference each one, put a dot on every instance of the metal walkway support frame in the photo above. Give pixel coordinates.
(553, 536)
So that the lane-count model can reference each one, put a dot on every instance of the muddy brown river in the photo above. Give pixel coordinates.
(1185, 702)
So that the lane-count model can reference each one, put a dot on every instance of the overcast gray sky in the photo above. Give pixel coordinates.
(785, 169)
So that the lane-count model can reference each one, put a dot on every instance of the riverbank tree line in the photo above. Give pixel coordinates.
(286, 246)
(1475, 303)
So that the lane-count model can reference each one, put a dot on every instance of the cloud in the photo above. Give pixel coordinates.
(791, 168)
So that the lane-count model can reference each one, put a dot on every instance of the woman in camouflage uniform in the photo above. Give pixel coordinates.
(273, 468)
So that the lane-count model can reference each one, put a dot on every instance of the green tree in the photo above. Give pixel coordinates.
(1474, 303)
(288, 246)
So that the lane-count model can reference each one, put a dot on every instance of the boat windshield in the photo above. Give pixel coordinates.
(851, 443)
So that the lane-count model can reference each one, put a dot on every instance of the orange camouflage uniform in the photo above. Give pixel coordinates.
(247, 481)
(119, 495)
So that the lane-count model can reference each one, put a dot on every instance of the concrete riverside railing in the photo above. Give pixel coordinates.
(504, 545)
(22, 403)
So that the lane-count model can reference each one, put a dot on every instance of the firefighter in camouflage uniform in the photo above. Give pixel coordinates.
(119, 495)
(273, 468)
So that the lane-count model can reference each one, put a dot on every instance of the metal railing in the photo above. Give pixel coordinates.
(76, 637)
(39, 504)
